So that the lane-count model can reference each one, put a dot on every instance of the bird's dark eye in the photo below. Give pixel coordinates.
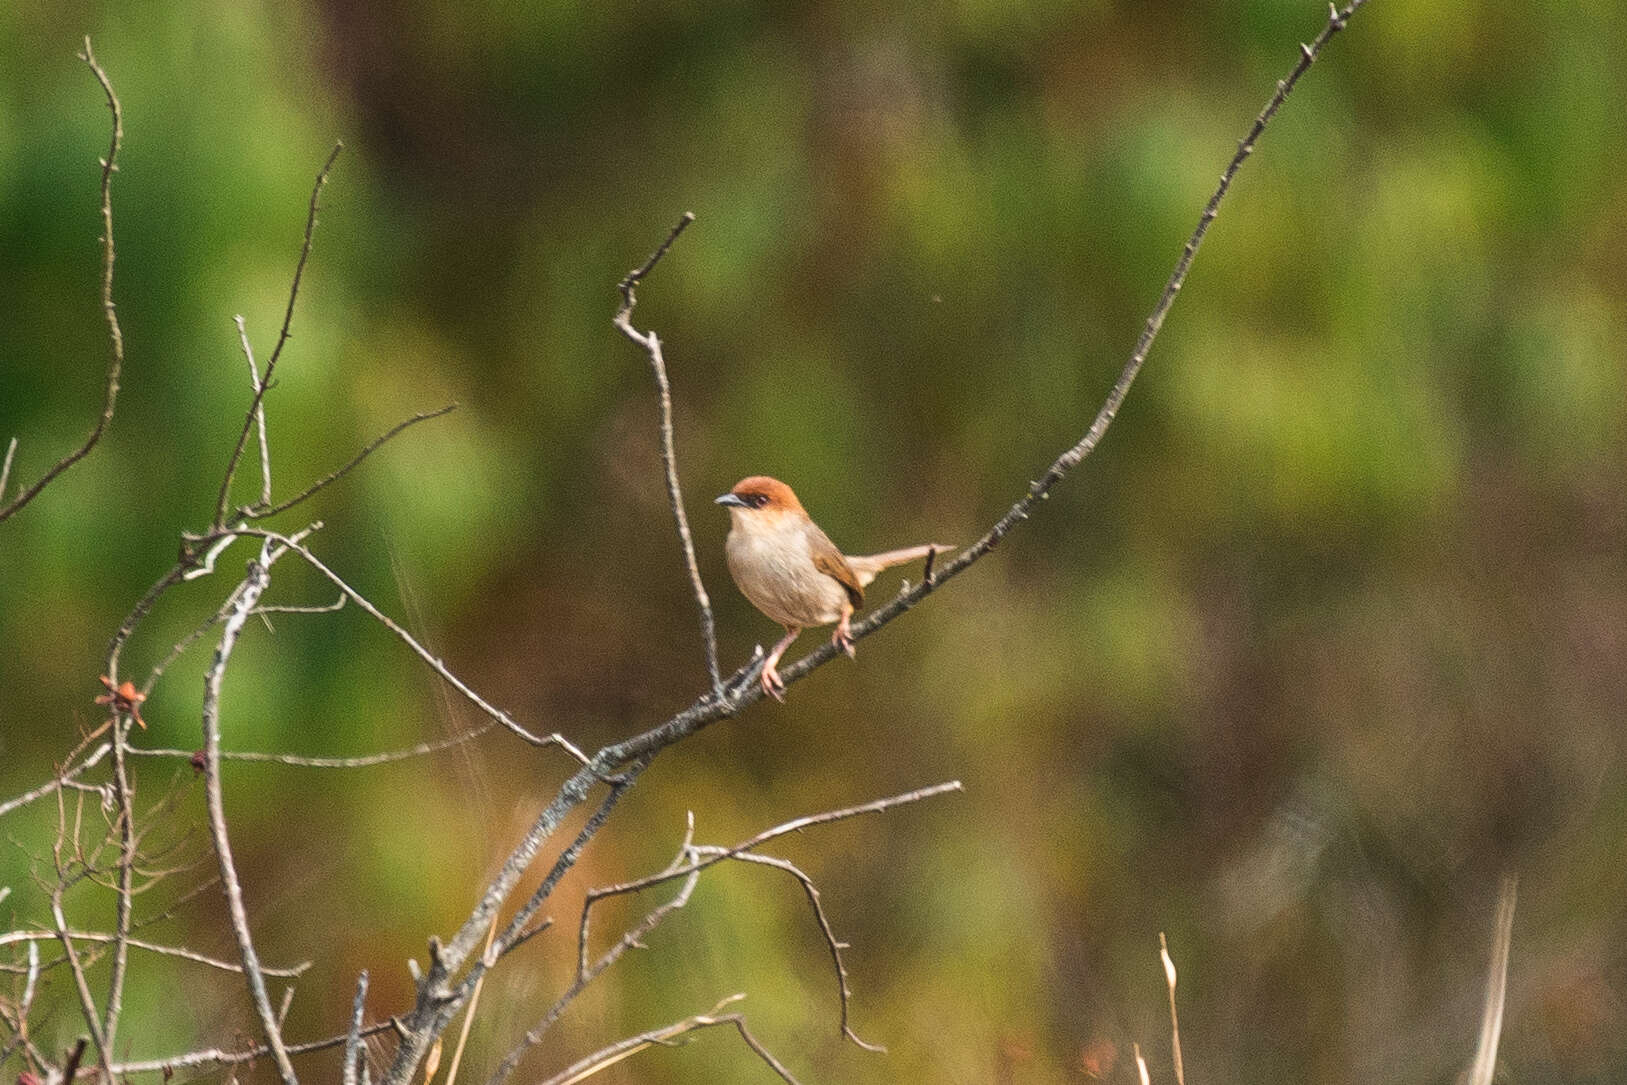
(756, 501)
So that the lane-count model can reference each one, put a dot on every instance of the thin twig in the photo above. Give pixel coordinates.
(254, 584)
(282, 339)
(1491, 1019)
(669, 457)
(1174, 1021)
(709, 856)
(5, 468)
(237, 1056)
(1040, 489)
(469, 1014)
(585, 1068)
(300, 761)
(35, 937)
(586, 973)
(70, 1069)
(354, 1051)
(437, 1002)
(435, 664)
(324, 608)
(259, 410)
(57, 782)
(329, 479)
(87, 1005)
(115, 336)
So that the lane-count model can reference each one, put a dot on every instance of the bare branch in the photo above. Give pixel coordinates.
(70, 1069)
(1070, 458)
(363, 761)
(419, 650)
(282, 339)
(1491, 1020)
(469, 1014)
(87, 1005)
(669, 457)
(33, 938)
(794, 826)
(259, 576)
(832, 944)
(600, 1060)
(59, 781)
(215, 1056)
(259, 410)
(704, 857)
(437, 1003)
(1174, 1020)
(586, 973)
(335, 476)
(354, 1051)
(115, 336)
(5, 468)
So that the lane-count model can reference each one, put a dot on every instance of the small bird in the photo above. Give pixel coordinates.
(791, 571)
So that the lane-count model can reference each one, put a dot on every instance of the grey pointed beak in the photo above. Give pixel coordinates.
(732, 501)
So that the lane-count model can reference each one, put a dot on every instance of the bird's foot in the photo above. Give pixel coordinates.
(844, 641)
(772, 684)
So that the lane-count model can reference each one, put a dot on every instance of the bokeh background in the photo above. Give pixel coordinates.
(1329, 633)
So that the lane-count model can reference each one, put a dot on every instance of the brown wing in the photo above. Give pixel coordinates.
(829, 560)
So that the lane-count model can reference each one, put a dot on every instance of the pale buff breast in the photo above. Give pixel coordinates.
(775, 570)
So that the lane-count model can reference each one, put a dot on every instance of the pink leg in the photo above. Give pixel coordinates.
(771, 677)
(843, 637)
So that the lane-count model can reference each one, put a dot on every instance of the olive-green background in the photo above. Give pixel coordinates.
(1331, 631)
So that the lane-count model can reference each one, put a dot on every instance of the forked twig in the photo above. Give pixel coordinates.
(264, 383)
(669, 457)
(334, 476)
(585, 1068)
(434, 663)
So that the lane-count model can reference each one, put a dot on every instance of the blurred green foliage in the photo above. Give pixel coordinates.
(1328, 633)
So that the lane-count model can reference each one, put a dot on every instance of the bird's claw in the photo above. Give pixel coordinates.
(844, 643)
(772, 684)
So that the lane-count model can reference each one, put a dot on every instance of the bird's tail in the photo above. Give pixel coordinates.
(866, 568)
